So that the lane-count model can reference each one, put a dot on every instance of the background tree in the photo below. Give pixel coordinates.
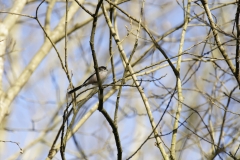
(172, 90)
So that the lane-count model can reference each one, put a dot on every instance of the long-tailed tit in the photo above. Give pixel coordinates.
(93, 79)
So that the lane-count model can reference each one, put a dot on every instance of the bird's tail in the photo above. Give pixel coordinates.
(75, 89)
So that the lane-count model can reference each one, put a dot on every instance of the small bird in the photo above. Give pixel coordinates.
(93, 79)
